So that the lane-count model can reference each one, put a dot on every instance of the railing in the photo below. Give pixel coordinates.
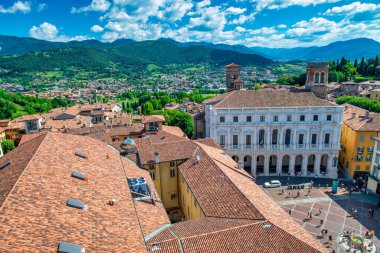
(278, 146)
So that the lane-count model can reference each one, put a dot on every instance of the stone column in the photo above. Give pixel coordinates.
(279, 164)
(304, 165)
(253, 165)
(292, 163)
(317, 164)
(266, 165)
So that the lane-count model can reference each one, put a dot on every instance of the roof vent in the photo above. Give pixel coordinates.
(79, 175)
(112, 202)
(80, 154)
(197, 158)
(266, 225)
(76, 204)
(65, 247)
(5, 165)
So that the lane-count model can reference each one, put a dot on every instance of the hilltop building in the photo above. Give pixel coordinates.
(357, 142)
(317, 78)
(272, 132)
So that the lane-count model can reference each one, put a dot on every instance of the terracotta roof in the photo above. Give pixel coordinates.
(153, 118)
(28, 118)
(264, 204)
(38, 183)
(209, 142)
(267, 98)
(240, 217)
(360, 119)
(28, 137)
(174, 130)
(214, 191)
(225, 236)
(169, 147)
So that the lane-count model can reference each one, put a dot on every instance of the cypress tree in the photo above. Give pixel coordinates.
(361, 69)
(356, 63)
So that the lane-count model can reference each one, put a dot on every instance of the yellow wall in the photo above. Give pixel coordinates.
(350, 141)
(12, 134)
(189, 205)
(165, 184)
(2, 136)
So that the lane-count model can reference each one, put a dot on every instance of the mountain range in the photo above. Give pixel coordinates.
(351, 49)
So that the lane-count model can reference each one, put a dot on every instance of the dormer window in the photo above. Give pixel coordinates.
(79, 175)
(80, 154)
(65, 247)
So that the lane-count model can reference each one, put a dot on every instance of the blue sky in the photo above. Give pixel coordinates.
(268, 23)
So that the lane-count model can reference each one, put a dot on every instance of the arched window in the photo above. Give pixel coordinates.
(316, 77)
(261, 137)
(288, 135)
(274, 136)
(323, 77)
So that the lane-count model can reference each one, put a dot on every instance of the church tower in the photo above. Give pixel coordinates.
(317, 78)
(232, 77)
(317, 73)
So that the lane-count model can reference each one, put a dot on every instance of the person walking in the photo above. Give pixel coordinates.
(320, 211)
(321, 223)
(331, 240)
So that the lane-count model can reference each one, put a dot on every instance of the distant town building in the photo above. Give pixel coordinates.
(317, 78)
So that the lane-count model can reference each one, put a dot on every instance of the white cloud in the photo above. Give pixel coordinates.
(96, 28)
(282, 26)
(313, 26)
(96, 5)
(352, 9)
(175, 10)
(235, 10)
(211, 18)
(18, 6)
(41, 7)
(50, 32)
(281, 4)
(242, 19)
(203, 4)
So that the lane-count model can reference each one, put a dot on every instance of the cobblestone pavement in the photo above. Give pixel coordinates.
(335, 211)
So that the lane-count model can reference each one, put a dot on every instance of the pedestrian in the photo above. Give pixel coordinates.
(290, 212)
(321, 223)
(372, 212)
(330, 240)
(320, 211)
(355, 213)
(298, 194)
(308, 192)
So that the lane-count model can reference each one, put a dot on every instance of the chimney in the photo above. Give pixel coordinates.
(156, 157)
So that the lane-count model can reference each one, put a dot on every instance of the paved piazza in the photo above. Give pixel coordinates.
(335, 212)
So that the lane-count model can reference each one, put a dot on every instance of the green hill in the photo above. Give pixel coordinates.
(123, 56)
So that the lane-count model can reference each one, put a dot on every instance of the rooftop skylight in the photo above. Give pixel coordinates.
(76, 204)
(65, 247)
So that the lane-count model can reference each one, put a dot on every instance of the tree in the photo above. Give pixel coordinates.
(377, 71)
(7, 145)
(356, 63)
(361, 67)
(180, 119)
(147, 108)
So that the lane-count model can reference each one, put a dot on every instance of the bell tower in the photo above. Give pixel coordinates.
(317, 73)
(232, 77)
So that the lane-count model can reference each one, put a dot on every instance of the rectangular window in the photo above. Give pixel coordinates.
(302, 118)
(172, 172)
(328, 117)
(249, 118)
(378, 146)
(248, 139)
(153, 175)
(359, 158)
(275, 118)
(327, 138)
(173, 196)
(300, 139)
(235, 140)
(357, 167)
(172, 163)
(361, 138)
(222, 140)
(289, 118)
(222, 119)
(314, 139)
(262, 118)
(236, 119)
(315, 117)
